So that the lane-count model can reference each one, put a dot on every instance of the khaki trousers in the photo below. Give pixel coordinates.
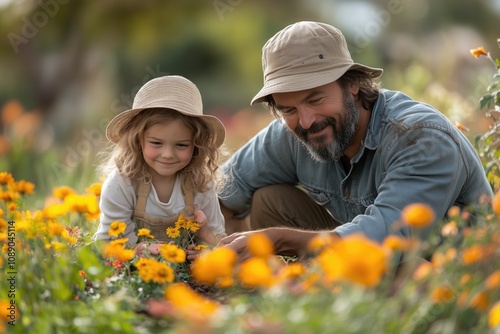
(286, 205)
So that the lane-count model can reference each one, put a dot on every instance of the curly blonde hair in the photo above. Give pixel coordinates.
(127, 156)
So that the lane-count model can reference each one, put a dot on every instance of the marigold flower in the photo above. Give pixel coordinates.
(442, 294)
(423, 271)
(473, 254)
(395, 243)
(55, 229)
(454, 211)
(116, 228)
(480, 51)
(145, 267)
(200, 247)
(259, 245)
(181, 222)
(356, 259)
(6, 178)
(418, 215)
(188, 302)
(94, 189)
(493, 280)
(496, 203)
(215, 265)
(320, 242)
(144, 232)
(292, 270)
(63, 191)
(22, 187)
(192, 225)
(82, 203)
(58, 246)
(172, 253)
(449, 229)
(173, 232)
(494, 315)
(255, 272)
(480, 301)
(465, 279)
(162, 273)
(54, 211)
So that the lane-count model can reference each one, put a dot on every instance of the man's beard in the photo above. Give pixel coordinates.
(343, 134)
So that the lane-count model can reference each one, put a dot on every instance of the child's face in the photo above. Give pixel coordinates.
(168, 148)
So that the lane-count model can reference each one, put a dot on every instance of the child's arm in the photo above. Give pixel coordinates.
(204, 234)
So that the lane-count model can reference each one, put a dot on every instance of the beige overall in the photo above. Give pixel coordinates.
(158, 225)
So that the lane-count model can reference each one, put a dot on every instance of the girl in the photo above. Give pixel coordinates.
(163, 163)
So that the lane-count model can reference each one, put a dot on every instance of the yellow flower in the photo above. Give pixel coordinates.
(418, 215)
(63, 191)
(354, 258)
(424, 270)
(6, 178)
(116, 228)
(116, 250)
(94, 189)
(255, 272)
(442, 294)
(146, 267)
(55, 210)
(82, 203)
(213, 266)
(58, 246)
(192, 225)
(200, 247)
(454, 211)
(494, 315)
(181, 222)
(480, 51)
(259, 245)
(188, 302)
(162, 273)
(172, 253)
(144, 232)
(173, 232)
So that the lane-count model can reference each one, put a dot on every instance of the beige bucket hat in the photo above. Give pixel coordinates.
(305, 55)
(169, 92)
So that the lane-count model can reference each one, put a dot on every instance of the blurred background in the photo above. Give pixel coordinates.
(68, 66)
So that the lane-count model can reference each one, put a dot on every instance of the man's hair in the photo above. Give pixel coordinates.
(368, 89)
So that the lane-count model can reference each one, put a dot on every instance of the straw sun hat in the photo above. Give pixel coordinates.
(169, 92)
(305, 55)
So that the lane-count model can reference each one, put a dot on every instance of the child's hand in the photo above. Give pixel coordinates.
(144, 248)
(192, 253)
(203, 233)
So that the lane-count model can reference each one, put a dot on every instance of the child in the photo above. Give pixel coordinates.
(163, 163)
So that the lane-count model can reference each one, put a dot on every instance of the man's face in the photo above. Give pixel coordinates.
(324, 118)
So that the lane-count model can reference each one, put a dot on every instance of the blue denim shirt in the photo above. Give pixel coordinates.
(411, 154)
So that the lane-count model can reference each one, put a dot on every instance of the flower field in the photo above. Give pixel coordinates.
(54, 279)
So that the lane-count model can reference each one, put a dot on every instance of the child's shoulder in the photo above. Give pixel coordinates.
(115, 177)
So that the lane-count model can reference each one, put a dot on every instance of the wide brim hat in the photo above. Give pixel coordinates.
(306, 55)
(168, 92)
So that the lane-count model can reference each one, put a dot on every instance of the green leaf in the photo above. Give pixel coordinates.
(486, 101)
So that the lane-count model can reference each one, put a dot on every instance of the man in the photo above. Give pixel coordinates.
(343, 155)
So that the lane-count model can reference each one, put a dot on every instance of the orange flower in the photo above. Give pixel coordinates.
(496, 203)
(493, 280)
(188, 302)
(255, 272)
(424, 270)
(418, 215)
(6, 178)
(94, 189)
(213, 266)
(356, 259)
(449, 229)
(395, 243)
(442, 294)
(144, 232)
(292, 270)
(320, 242)
(22, 187)
(116, 228)
(260, 245)
(480, 51)
(473, 254)
(480, 301)
(63, 191)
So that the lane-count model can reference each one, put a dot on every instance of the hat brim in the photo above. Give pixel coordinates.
(303, 81)
(118, 123)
